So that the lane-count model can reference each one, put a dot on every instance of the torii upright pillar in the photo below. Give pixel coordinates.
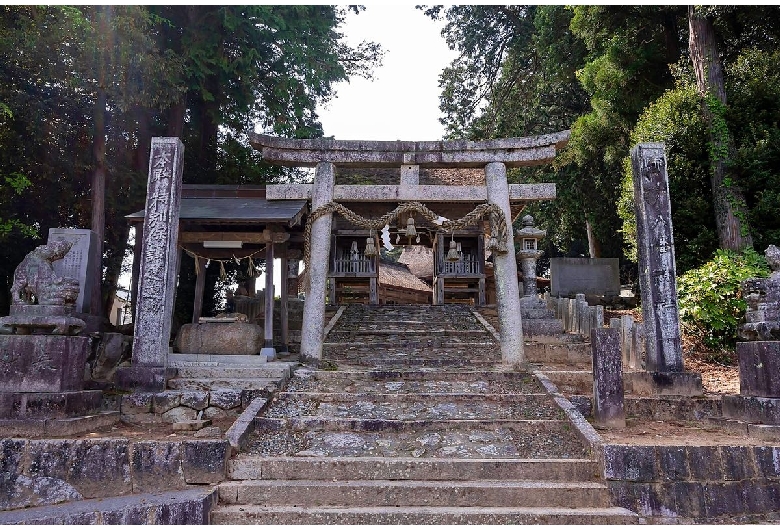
(314, 306)
(505, 270)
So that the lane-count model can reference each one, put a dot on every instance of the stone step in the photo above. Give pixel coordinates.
(247, 467)
(329, 437)
(176, 360)
(271, 384)
(401, 362)
(429, 332)
(403, 341)
(420, 407)
(186, 507)
(268, 371)
(413, 381)
(433, 515)
(464, 493)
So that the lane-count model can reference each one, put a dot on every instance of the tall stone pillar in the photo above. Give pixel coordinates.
(656, 259)
(505, 272)
(314, 306)
(268, 314)
(157, 275)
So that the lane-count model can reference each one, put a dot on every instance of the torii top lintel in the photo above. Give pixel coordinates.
(514, 152)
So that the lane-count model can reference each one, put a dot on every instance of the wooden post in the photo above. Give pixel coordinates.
(200, 286)
(373, 297)
(268, 343)
(284, 309)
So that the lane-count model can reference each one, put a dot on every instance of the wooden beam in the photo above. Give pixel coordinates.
(266, 236)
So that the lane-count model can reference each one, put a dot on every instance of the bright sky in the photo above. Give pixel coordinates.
(402, 102)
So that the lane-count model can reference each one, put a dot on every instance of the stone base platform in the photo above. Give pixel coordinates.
(42, 363)
(143, 378)
(49, 405)
(666, 384)
(752, 409)
(57, 426)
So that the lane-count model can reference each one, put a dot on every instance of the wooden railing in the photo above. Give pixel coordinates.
(468, 264)
(355, 264)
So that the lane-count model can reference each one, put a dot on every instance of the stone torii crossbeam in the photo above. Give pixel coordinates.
(492, 155)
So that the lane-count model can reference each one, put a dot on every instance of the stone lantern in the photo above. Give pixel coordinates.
(528, 237)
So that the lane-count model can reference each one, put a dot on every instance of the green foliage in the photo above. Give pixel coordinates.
(675, 119)
(711, 304)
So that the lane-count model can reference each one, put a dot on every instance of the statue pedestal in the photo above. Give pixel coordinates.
(42, 363)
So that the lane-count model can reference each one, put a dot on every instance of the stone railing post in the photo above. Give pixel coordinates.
(314, 306)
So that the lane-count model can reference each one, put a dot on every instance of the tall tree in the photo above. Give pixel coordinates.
(729, 202)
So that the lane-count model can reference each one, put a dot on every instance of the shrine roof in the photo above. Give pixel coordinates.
(245, 210)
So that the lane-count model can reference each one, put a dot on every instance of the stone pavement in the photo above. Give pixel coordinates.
(411, 420)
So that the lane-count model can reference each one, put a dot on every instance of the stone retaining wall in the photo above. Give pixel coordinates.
(173, 406)
(694, 484)
(45, 472)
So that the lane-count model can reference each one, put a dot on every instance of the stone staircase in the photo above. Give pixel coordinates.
(409, 422)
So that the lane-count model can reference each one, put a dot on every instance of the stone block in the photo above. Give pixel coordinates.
(687, 498)
(608, 402)
(234, 338)
(49, 458)
(759, 368)
(165, 401)
(757, 497)
(737, 462)
(205, 461)
(225, 399)
(705, 463)
(78, 262)
(673, 463)
(143, 378)
(214, 413)
(666, 384)
(767, 462)
(156, 466)
(194, 425)
(42, 363)
(179, 414)
(595, 276)
(722, 499)
(752, 409)
(630, 463)
(100, 465)
(137, 403)
(197, 400)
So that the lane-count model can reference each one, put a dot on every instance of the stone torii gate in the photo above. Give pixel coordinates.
(493, 155)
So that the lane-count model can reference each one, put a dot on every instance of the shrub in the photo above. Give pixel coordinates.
(711, 304)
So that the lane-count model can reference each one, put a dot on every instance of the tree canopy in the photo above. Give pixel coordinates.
(84, 89)
(700, 80)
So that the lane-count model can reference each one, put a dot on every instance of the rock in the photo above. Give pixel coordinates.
(234, 338)
(112, 350)
(179, 414)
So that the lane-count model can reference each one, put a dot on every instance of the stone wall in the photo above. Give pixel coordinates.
(173, 406)
(46, 472)
(694, 484)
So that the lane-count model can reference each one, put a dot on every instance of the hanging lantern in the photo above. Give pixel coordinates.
(370, 251)
(452, 254)
(354, 249)
(410, 230)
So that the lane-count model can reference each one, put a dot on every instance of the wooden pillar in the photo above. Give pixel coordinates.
(284, 295)
(373, 297)
(268, 339)
(200, 286)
